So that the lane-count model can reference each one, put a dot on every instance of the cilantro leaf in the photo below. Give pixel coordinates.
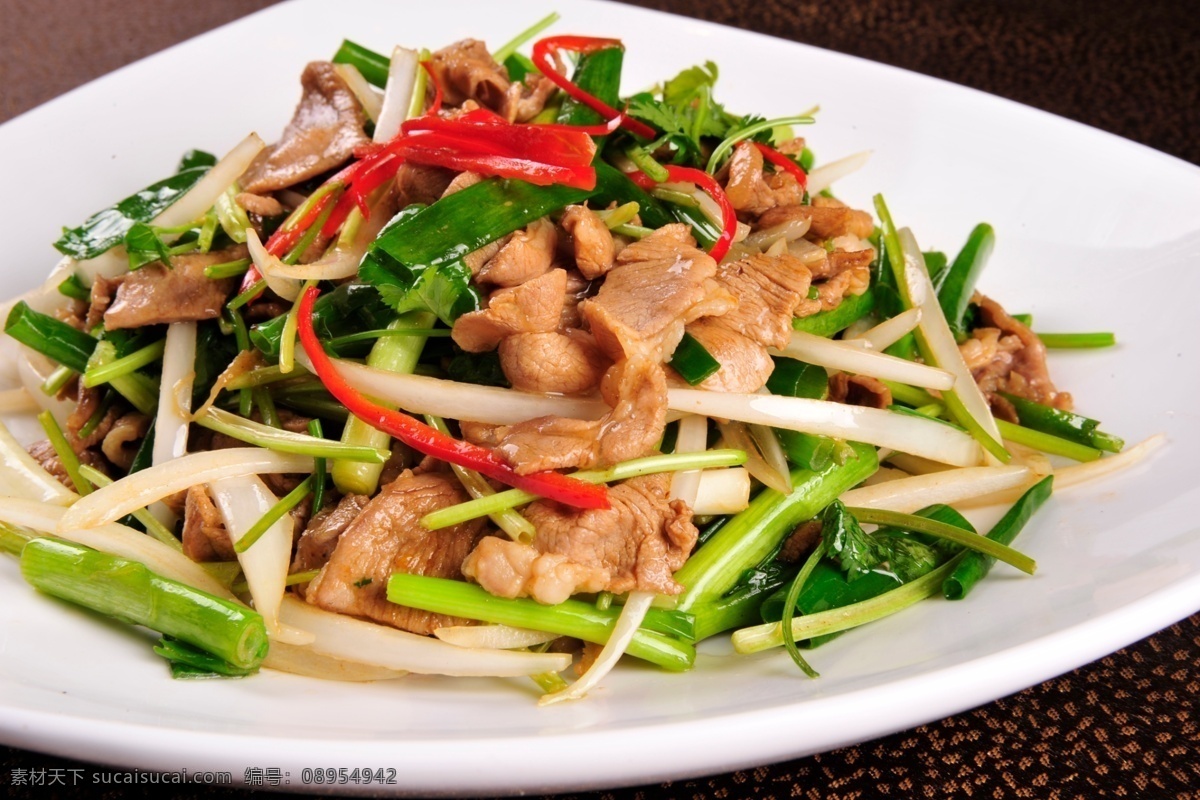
(846, 542)
(144, 246)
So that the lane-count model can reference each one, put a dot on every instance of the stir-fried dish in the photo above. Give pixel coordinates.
(484, 369)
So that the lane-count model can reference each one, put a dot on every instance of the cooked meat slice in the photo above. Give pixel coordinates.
(853, 281)
(590, 239)
(562, 363)
(102, 293)
(325, 128)
(418, 184)
(578, 288)
(640, 541)
(477, 258)
(204, 534)
(753, 192)
(466, 71)
(510, 569)
(768, 289)
(638, 392)
(386, 537)
(859, 390)
(800, 541)
(745, 364)
(481, 433)
(1005, 356)
(828, 219)
(121, 443)
(321, 534)
(461, 181)
(532, 307)
(526, 255)
(659, 284)
(156, 294)
(526, 98)
(87, 404)
(44, 454)
(260, 204)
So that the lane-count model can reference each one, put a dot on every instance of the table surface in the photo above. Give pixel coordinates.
(1124, 726)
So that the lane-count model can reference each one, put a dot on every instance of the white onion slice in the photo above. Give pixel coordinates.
(630, 619)
(493, 637)
(175, 392)
(736, 436)
(33, 369)
(115, 539)
(919, 293)
(722, 491)
(194, 204)
(397, 94)
(910, 434)
(17, 401)
(1101, 468)
(154, 483)
(21, 476)
(692, 437)
(849, 358)
(357, 640)
(368, 96)
(277, 274)
(951, 486)
(243, 502)
(339, 261)
(419, 394)
(299, 660)
(890, 331)
(826, 175)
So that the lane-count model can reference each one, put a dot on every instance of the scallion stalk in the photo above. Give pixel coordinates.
(991, 548)
(1077, 340)
(256, 433)
(274, 514)
(64, 451)
(514, 44)
(99, 375)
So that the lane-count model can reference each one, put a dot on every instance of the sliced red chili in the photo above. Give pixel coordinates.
(713, 189)
(431, 441)
(543, 58)
(436, 107)
(783, 162)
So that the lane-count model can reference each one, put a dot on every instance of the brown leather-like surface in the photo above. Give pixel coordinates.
(1125, 726)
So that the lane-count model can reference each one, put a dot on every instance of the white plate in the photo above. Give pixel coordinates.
(1094, 233)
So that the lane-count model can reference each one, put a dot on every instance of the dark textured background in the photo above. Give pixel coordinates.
(1125, 726)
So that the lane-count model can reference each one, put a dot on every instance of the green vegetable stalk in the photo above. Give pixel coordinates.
(128, 591)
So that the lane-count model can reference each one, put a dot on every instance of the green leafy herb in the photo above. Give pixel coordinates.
(194, 159)
(361, 582)
(144, 246)
(73, 287)
(846, 542)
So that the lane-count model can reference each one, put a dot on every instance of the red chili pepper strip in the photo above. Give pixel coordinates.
(437, 89)
(431, 441)
(543, 58)
(533, 172)
(284, 240)
(564, 145)
(377, 170)
(783, 162)
(712, 188)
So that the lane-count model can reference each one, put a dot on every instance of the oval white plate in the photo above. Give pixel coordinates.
(1094, 233)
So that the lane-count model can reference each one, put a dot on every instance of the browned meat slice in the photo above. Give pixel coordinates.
(325, 128)
(260, 204)
(419, 184)
(659, 284)
(121, 443)
(204, 534)
(102, 293)
(591, 241)
(526, 98)
(386, 537)
(800, 541)
(1005, 356)
(859, 390)
(532, 307)
(510, 569)
(745, 364)
(156, 294)
(753, 192)
(461, 181)
(88, 403)
(768, 289)
(44, 454)
(828, 218)
(526, 255)
(466, 71)
(321, 534)
(562, 363)
(578, 288)
(853, 281)
(477, 258)
(636, 544)
(637, 390)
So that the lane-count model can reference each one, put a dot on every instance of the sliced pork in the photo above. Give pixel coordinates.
(591, 241)
(753, 192)
(559, 363)
(533, 307)
(156, 294)
(325, 128)
(386, 537)
(526, 255)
